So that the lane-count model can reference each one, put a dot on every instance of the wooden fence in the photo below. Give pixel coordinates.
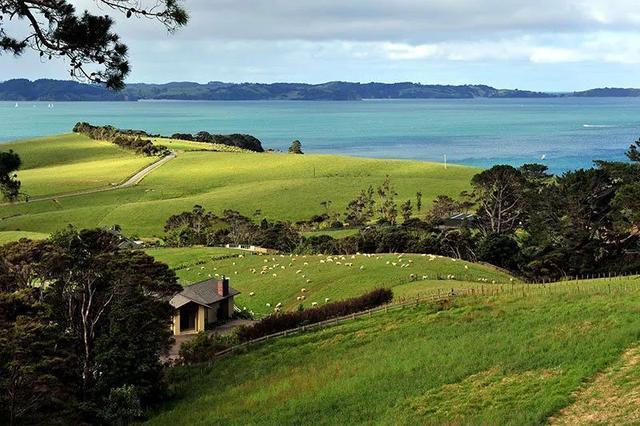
(522, 290)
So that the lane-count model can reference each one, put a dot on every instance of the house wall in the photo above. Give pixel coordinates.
(175, 326)
(230, 306)
(212, 313)
(201, 318)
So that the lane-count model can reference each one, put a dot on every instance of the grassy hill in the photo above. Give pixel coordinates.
(281, 186)
(280, 279)
(67, 163)
(508, 359)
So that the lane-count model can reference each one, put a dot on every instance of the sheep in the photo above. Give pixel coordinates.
(303, 297)
(278, 305)
(268, 305)
(306, 263)
(298, 298)
(326, 299)
(321, 261)
(209, 275)
(466, 266)
(338, 263)
(252, 294)
(314, 304)
(361, 267)
(303, 290)
(202, 267)
(275, 275)
(308, 281)
(233, 263)
(298, 271)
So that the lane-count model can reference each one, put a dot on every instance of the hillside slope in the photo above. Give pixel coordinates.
(508, 359)
(280, 279)
(272, 183)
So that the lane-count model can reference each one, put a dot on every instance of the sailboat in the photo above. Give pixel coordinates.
(16, 105)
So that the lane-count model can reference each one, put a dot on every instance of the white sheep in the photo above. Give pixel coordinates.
(278, 305)
(314, 304)
(326, 299)
(252, 294)
(303, 290)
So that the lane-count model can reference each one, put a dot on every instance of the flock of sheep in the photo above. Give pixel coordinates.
(276, 264)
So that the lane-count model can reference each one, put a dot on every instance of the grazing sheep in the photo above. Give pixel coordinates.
(233, 263)
(298, 298)
(268, 305)
(202, 267)
(303, 290)
(326, 299)
(361, 267)
(321, 261)
(305, 263)
(466, 266)
(252, 294)
(275, 275)
(308, 281)
(278, 305)
(303, 297)
(188, 269)
(298, 271)
(338, 263)
(209, 275)
(314, 304)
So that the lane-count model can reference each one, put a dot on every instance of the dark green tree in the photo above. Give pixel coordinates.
(634, 151)
(296, 147)
(419, 201)
(360, 209)
(9, 184)
(56, 29)
(387, 207)
(406, 210)
(499, 193)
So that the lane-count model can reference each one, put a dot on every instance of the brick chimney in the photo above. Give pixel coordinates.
(222, 286)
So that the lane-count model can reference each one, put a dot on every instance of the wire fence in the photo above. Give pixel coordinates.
(580, 286)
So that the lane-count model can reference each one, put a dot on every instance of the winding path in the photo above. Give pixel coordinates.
(132, 181)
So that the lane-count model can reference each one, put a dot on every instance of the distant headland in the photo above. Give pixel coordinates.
(64, 90)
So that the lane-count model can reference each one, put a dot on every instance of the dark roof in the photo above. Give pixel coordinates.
(203, 293)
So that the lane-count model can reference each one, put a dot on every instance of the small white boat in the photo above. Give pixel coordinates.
(16, 105)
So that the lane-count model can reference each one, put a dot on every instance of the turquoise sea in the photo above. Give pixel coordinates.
(564, 133)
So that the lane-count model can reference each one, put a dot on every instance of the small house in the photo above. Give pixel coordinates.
(201, 304)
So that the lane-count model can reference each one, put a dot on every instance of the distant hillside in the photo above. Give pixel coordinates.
(609, 92)
(57, 90)
(61, 90)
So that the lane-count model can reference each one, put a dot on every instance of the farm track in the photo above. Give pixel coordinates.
(132, 181)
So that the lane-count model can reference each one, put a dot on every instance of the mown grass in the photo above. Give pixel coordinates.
(280, 186)
(506, 359)
(68, 163)
(280, 279)
(180, 145)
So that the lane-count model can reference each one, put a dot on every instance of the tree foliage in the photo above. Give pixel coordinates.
(10, 162)
(94, 51)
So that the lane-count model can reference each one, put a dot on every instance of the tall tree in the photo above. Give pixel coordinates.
(634, 151)
(56, 29)
(360, 209)
(9, 184)
(296, 147)
(499, 194)
(387, 208)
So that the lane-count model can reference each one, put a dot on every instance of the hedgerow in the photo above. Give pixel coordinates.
(287, 320)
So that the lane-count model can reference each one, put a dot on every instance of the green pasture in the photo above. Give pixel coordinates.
(277, 279)
(272, 185)
(506, 359)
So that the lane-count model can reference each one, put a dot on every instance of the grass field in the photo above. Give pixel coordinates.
(506, 359)
(280, 279)
(68, 163)
(281, 186)
(8, 236)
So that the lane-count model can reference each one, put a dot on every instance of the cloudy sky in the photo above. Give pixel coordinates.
(553, 45)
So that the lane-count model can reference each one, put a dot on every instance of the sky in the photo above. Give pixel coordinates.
(549, 45)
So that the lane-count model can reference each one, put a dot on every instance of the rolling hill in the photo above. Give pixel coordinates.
(565, 353)
(281, 186)
(277, 279)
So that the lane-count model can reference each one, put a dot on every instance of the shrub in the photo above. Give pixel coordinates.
(288, 320)
(204, 346)
(127, 139)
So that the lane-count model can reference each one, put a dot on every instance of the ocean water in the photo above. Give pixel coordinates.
(563, 133)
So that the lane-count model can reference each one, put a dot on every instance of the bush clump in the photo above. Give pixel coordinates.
(238, 140)
(127, 139)
(204, 346)
(288, 320)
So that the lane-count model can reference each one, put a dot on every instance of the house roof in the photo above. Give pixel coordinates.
(203, 293)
